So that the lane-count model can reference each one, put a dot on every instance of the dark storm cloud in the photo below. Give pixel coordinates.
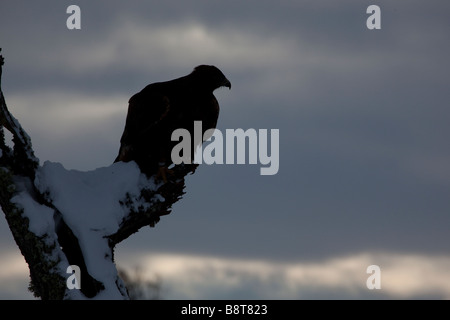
(362, 114)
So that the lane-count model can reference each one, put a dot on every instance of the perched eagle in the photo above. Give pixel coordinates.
(162, 107)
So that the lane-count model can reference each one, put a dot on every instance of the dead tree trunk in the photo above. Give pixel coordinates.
(49, 237)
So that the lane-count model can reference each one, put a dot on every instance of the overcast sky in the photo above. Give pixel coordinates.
(364, 174)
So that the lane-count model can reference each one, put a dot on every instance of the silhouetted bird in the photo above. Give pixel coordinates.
(162, 107)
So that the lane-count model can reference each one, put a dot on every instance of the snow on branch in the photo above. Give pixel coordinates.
(62, 218)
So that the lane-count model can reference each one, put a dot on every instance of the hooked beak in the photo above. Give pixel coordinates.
(227, 84)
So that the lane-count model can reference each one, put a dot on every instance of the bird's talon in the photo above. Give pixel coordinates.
(163, 172)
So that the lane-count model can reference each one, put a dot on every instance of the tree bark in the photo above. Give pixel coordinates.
(49, 253)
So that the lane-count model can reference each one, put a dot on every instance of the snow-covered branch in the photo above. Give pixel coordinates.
(61, 218)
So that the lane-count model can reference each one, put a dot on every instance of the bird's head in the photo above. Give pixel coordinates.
(211, 77)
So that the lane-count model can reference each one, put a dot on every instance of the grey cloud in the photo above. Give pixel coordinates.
(362, 115)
